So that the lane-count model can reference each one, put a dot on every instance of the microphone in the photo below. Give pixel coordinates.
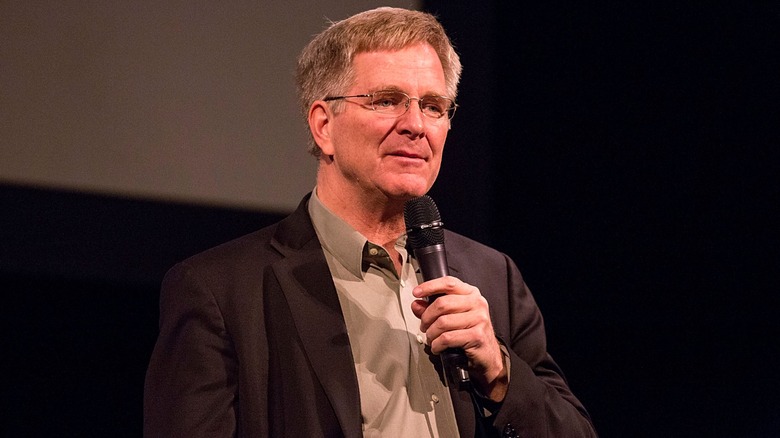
(426, 238)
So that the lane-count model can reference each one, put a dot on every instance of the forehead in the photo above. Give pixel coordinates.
(415, 69)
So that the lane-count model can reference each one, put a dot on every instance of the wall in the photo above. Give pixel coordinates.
(178, 100)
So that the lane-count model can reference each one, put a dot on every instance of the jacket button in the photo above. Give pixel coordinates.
(509, 431)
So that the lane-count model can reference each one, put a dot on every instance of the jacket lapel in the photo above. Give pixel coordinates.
(307, 285)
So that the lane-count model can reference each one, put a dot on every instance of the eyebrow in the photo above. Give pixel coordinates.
(399, 89)
(386, 88)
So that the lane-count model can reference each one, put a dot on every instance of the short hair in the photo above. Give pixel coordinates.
(325, 64)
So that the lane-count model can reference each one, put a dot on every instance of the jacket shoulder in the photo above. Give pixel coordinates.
(464, 249)
(252, 246)
(261, 247)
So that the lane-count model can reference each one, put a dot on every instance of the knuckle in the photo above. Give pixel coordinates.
(444, 322)
(442, 306)
(445, 339)
(450, 282)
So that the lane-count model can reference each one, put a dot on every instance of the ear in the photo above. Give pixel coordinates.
(320, 116)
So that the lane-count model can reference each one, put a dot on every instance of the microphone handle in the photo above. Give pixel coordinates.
(433, 261)
(433, 264)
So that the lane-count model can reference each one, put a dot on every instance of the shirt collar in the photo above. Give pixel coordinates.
(336, 236)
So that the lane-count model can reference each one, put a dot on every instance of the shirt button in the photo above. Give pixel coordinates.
(435, 398)
(373, 251)
(420, 339)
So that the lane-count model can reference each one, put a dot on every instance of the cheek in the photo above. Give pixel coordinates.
(365, 135)
(437, 141)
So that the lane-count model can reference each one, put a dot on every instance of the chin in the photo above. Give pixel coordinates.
(409, 192)
(408, 187)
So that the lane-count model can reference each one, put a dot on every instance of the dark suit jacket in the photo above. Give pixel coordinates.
(253, 343)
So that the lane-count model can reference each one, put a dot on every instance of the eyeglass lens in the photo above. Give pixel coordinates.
(396, 102)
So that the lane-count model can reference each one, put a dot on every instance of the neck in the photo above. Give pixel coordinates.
(378, 218)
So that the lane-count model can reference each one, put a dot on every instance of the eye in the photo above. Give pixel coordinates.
(435, 106)
(386, 100)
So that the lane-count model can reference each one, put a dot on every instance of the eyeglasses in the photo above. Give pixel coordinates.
(396, 103)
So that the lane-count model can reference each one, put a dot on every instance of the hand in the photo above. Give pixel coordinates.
(460, 317)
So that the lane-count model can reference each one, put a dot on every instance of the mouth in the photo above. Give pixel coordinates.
(407, 155)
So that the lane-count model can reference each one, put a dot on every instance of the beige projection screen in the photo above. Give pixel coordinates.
(189, 101)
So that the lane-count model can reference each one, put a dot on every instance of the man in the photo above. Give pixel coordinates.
(319, 325)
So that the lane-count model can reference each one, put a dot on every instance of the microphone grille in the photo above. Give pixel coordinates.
(423, 222)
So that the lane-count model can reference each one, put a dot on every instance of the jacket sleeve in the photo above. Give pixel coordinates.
(190, 388)
(538, 402)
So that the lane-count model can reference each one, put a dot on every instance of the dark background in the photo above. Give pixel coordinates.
(624, 155)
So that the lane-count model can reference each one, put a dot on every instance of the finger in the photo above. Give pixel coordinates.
(452, 303)
(448, 323)
(441, 285)
(452, 339)
(445, 305)
(473, 340)
(418, 308)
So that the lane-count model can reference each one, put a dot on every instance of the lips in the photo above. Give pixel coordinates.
(407, 154)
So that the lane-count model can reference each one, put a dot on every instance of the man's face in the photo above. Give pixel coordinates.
(381, 155)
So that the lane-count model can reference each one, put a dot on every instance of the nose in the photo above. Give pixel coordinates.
(412, 122)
